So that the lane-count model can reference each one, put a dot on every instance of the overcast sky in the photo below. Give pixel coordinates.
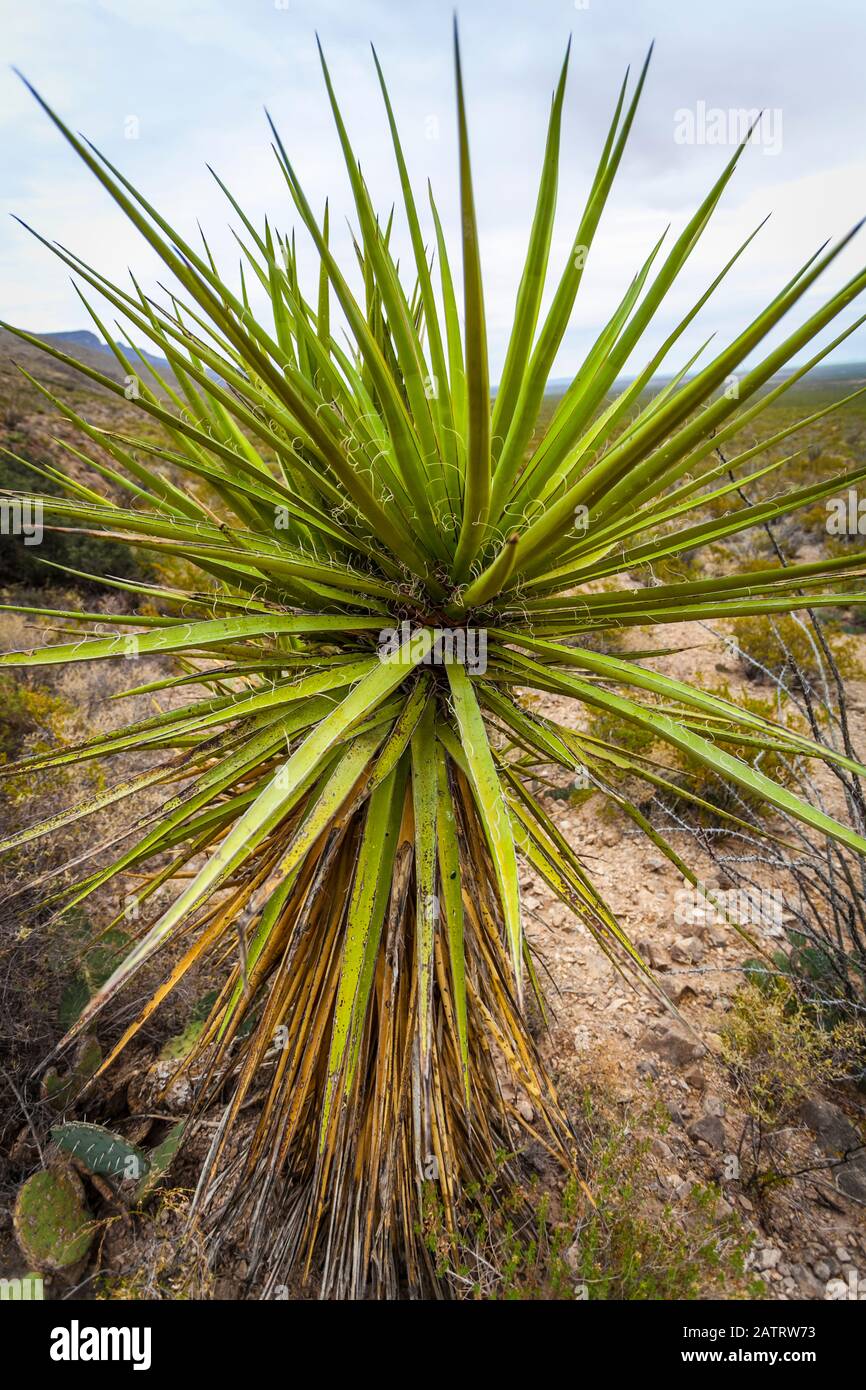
(188, 80)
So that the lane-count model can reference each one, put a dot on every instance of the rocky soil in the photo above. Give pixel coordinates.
(810, 1235)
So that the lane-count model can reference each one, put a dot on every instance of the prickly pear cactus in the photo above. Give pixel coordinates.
(160, 1158)
(182, 1044)
(52, 1224)
(61, 1090)
(73, 1000)
(101, 1151)
(99, 954)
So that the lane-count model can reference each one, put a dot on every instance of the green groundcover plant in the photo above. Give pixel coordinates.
(343, 814)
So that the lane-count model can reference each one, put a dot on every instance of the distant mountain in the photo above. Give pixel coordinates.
(86, 347)
(82, 346)
(76, 339)
(829, 374)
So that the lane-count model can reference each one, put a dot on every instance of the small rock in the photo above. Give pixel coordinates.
(687, 950)
(651, 952)
(714, 1105)
(710, 1129)
(722, 1210)
(695, 1078)
(536, 1156)
(647, 1069)
(806, 1282)
(837, 1136)
(851, 1179)
(842, 1254)
(673, 1044)
(679, 991)
(157, 1087)
(836, 1289)
(573, 1256)
(768, 1258)
(697, 926)
(834, 1130)
(822, 1270)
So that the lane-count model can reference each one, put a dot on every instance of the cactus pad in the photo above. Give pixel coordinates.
(61, 1090)
(52, 1224)
(101, 1151)
(160, 1158)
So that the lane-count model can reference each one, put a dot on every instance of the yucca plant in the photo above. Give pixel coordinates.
(345, 811)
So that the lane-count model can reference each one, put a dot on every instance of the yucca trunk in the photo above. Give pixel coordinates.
(357, 1170)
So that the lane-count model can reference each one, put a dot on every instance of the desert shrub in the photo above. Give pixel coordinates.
(832, 983)
(811, 525)
(35, 720)
(707, 784)
(672, 569)
(23, 565)
(91, 954)
(784, 645)
(615, 733)
(779, 1054)
(542, 1245)
(28, 712)
(691, 773)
